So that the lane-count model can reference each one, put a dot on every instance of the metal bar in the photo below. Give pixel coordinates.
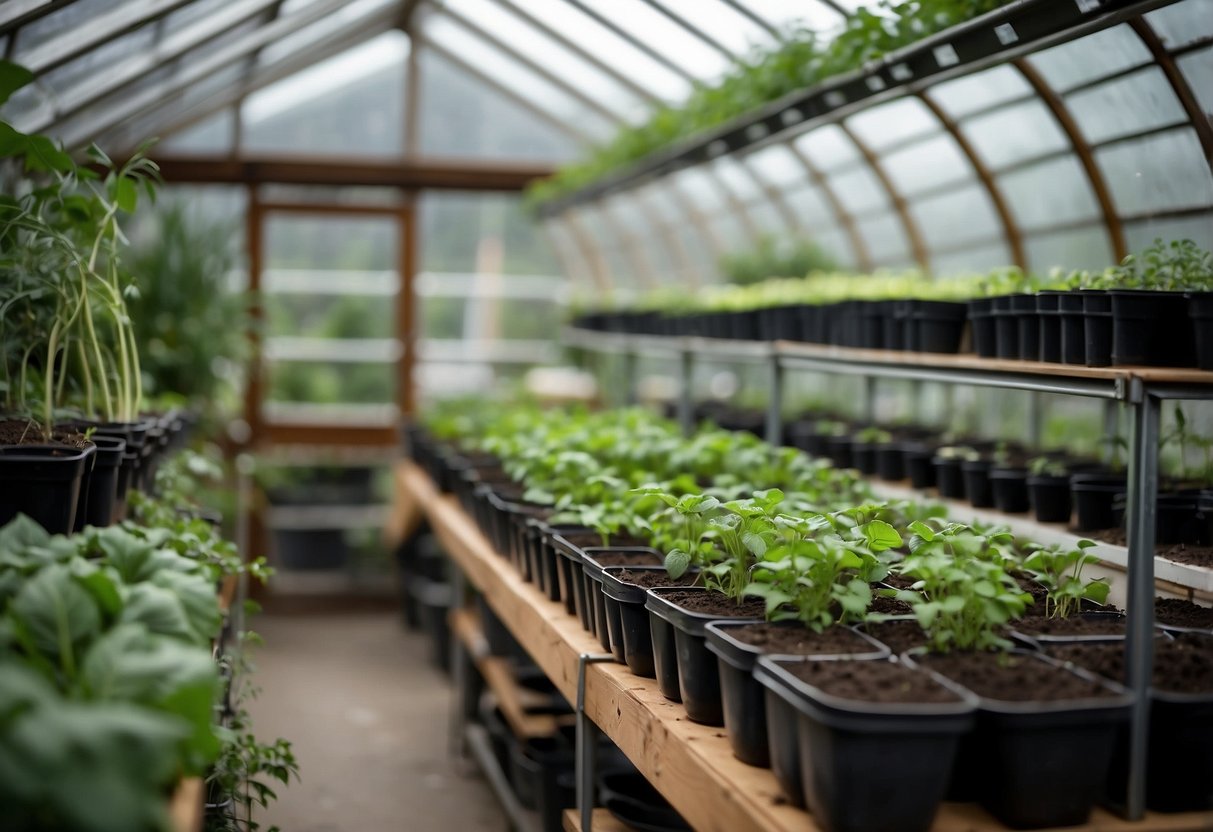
(692, 29)
(1010, 227)
(774, 424)
(657, 55)
(1183, 91)
(16, 13)
(913, 232)
(755, 18)
(1061, 114)
(98, 31)
(406, 311)
(686, 393)
(586, 742)
(1139, 658)
(254, 393)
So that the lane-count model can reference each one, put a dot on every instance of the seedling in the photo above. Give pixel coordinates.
(1059, 571)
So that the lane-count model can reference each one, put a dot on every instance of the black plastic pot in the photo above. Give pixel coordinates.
(572, 587)
(1149, 328)
(985, 331)
(893, 326)
(43, 482)
(1006, 324)
(1009, 487)
(1204, 514)
(851, 751)
(949, 477)
(891, 461)
(1003, 765)
(1200, 312)
(698, 674)
(871, 326)
(500, 640)
(940, 324)
(919, 467)
(745, 716)
(1097, 327)
(592, 576)
(978, 490)
(433, 600)
(1027, 320)
(1073, 328)
(631, 799)
(863, 456)
(97, 508)
(1050, 498)
(547, 558)
(1048, 318)
(535, 766)
(1040, 641)
(1094, 496)
(1176, 518)
(839, 451)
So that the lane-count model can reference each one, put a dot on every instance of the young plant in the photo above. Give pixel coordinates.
(1059, 571)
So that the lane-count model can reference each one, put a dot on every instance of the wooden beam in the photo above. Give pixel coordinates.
(436, 174)
(1201, 122)
(407, 319)
(344, 436)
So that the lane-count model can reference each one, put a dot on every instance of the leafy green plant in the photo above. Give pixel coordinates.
(1045, 466)
(1059, 571)
(773, 256)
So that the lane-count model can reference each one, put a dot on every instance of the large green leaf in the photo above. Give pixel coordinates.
(22, 531)
(159, 609)
(12, 78)
(198, 599)
(55, 613)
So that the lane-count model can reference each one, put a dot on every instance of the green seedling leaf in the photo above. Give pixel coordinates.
(677, 562)
(881, 536)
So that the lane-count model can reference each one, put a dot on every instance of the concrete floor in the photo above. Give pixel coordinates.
(368, 717)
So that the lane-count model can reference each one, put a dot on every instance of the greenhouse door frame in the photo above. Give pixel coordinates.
(263, 432)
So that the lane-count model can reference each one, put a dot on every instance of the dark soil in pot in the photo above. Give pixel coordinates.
(1039, 630)
(1179, 552)
(899, 635)
(978, 489)
(1050, 498)
(1027, 704)
(625, 591)
(1181, 614)
(1009, 488)
(688, 611)
(863, 725)
(738, 646)
(888, 606)
(593, 562)
(1179, 764)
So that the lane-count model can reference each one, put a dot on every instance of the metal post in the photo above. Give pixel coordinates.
(1111, 428)
(586, 743)
(459, 668)
(1035, 419)
(686, 395)
(1139, 517)
(629, 378)
(775, 401)
(869, 399)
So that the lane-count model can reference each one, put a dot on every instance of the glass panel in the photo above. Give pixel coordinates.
(794, 13)
(1126, 105)
(460, 116)
(700, 190)
(492, 18)
(98, 59)
(729, 231)
(1158, 172)
(859, 190)
(980, 258)
(67, 19)
(212, 135)
(724, 25)
(594, 37)
(1197, 68)
(193, 12)
(734, 176)
(950, 219)
(28, 105)
(698, 250)
(663, 35)
(327, 316)
(1182, 23)
(297, 41)
(661, 201)
(1018, 132)
(928, 164)
(962, 96)
(1094, 56)
(887, 125)
(885, 239)
(1199, 229)
(572, 261)
(512, 75)
(827, 147)
(767, 218)
(837, 244)
(1084, 248)
(330, 383)
(1063, 180)
(350, 104)
(477, 232)
(777, 164)
(810, 205)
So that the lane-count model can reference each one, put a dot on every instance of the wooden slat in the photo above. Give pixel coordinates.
(691, 765)
(603, 821)
(185, 806)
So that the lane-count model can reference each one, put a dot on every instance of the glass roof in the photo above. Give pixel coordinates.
(1070, 155)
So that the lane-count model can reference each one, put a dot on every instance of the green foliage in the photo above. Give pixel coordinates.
(1059, 570)
(1177, 266)
(773, 256)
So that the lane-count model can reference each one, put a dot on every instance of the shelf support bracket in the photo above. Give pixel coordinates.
(586, 742)
(1145, 419)
(686, 405)
(774, 425)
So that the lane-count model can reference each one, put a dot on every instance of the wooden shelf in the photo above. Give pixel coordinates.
(185, 806)
(1183, 575)
(691, 765)
(603, 821)
(498, 675)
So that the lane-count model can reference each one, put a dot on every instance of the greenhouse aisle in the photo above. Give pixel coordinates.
(368, 717)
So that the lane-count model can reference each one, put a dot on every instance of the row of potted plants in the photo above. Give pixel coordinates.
(1154, 309)
(121, 676)
(729, 570)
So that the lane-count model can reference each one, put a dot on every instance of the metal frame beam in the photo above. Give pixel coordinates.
(692, 29)
(636, 42)
(1183, 91)
(16, 13)
(102, 29)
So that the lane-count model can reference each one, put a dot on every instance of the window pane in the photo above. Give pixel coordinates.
(724, 25)
(1182, 23)
(835, 242)
(734, 176)
(1018, 132)
(859, 190)
(212, 135)
(651, 27)
(777, 164)
(1091, 57)
(331, 383)
(474, 232)
(1126, 105)
(980, 258)
(810, 206)
(828, 147)
(928, 164)
(1197, 68)
(887, 125)
(1168, 170)
(767, 218)
(1084, 248)
(950, 219)
(700, 189)
(812, 14)
(980, 90)
(885, 238)
(1068, 188)
(1199, 229)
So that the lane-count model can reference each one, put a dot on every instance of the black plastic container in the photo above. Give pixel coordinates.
(1050, 497)
(548, 559)
(1006, 324)
(592, 564)
(871, 326)
(1200, 313)
(891, 461)
(851, 751)
(1001, 761)
(628, 796)
(1027, 320)
(572, 587)
(949, 477)
(893, 326)
(1175, 520)
(1149, 328)
(628, 621)
(1009, 487)
(919, 464)
(985, 331)
(863, 456)
(1094, 496)
(43, 482)
(839, 451)
(97, 500)
(978, 489)
(1073, 328)
(745, 717)
(940, 325)
(698, 674)
(1097, 327)
(1048, 318)
(500, 640)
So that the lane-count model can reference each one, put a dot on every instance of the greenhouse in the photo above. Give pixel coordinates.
(561, 415)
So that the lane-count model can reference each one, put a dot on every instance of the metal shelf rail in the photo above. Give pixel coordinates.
(1142, 390)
